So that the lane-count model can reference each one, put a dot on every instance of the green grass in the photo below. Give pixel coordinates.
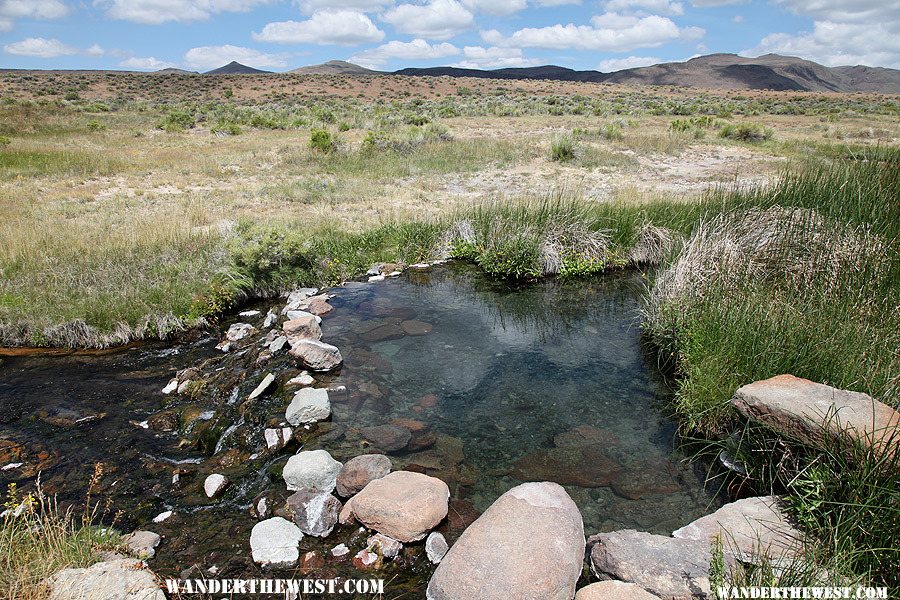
(16, 162)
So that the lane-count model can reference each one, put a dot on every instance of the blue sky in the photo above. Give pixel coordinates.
(390, 34)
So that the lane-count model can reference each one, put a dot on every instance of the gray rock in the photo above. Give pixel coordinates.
(311, 470)
(748, 528)
(297, 297)
(275, 543)
(671, 568)
(214, 484)
(142, 544)
(260, 389)
(120, 579)
(436, 547)
(271, 319)
(315, 513)
(388, 438)
(239, 331)
(388, 547)
(804, 410)
(308, 406)
(317, 356)
(301, 327)
(278, 437)
(402, 505)
(304, 379)
(614, 590)
(359, 471)
(529, 544)
(278, 344)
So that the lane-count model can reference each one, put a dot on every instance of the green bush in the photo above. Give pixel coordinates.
(562, 148)
(746, 132)
(4, 141)
(322, 140)
(177, 120)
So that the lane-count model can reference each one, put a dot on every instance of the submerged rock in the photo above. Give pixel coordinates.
(315, 513)
(121, 579)
(308, 406)
(275, 543)
(748, 529)
(389, 438)
(584, 466)
(805, 410)
(239, 331)
(402, 505)
(316, 355)
(529, 544)
(359, 471)
(671, 568)
(311, 470)
(415, 328)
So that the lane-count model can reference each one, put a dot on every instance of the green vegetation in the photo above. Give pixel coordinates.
(745, 132)
(562, 148)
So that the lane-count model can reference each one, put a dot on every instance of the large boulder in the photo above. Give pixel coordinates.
(671, 568)
(122, 579)
(315, 513)
(308, 406)
(529, 545)
(402, 505)
(748, 528)
(303, 327)
(804, 410)
(359, 471)
(316, 355)
(275, 543)
(614, 590)
(311, 470)
(388, 438)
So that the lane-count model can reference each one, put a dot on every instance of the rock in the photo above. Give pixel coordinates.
(747, 529)
(359, 471)
(317, 356)
(259, 390)
(163, 516)
(297, 297)
(171, 386)
(303, 327)
(584, 435)
(120, 579)
(671, 568)
(339, 551)
(584, 466)
(271, 319)
(375, 269)
(263, 505)
(239, 331)
(311, 470)
(249, 313)
(302, 314)
(345, 517)
(308, 406)
(224, 346)
(183, 386)
(142, 544)
(435, 547)
(646, 478)
(428, 401)
(304, 379)
(318, 306)
(310, 561)
(376, 278)
(275, 543)
(804, 410)
(416, 327)
(382, 333)
(386, 546)
(365, 560)
(421, 435)
(278, 437)
(530, 541)
(214, 484)
(278, 344)
(389, 438)
(614, 590)
(402, 505)
(315, 513)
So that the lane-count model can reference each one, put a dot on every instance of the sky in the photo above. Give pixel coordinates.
(279, 35)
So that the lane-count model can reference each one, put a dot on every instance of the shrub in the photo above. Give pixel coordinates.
(321, 140)
(4, 141)
(177, 120)
(746, 132)
(562, 148)
(227, 128)
(95, 125)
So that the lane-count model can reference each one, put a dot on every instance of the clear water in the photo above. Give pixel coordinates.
(543, 381)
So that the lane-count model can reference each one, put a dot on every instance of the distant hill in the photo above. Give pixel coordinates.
(335, 67)
(174, 71)
(235, 68)
(723, 71)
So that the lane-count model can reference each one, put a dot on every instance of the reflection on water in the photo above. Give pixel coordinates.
(488, 384)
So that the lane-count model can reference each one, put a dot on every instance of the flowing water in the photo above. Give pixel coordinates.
(498, 385)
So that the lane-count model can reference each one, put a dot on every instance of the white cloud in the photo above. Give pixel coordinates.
(439, 19)
(610, 32)
(417, 49)
(311, 6)
(212, 57)
(40, 47)
(710, 3)
(844, 33)
(500, 8)
(154, 12)
(146, 64)
(478, 57)
(630, 62)
(10, 10)
(341, 27)
(658, 7)
(95, 50)
(737, 19)
(550, 3)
